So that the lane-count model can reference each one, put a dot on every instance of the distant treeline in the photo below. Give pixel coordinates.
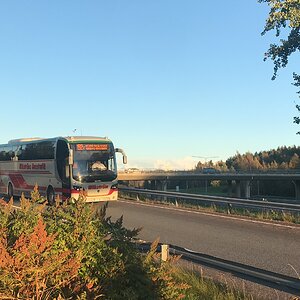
(280, 158)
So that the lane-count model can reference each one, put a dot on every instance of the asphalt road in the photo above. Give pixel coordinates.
(262, 245)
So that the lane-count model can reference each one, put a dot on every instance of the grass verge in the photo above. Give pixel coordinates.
(205, 288)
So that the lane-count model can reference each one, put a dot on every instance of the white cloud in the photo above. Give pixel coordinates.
(186, 163)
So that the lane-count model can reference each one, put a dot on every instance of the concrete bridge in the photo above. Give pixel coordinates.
(242, 181)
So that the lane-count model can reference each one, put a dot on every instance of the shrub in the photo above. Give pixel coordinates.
(68, 251)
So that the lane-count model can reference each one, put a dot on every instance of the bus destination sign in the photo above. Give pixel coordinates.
(91, 147)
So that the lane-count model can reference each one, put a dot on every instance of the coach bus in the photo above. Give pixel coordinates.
(61, 166)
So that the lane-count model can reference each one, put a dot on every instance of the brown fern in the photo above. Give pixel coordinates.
(32, 267)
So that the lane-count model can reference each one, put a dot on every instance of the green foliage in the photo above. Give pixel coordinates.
(280, 158)
(68, 251)
(219, 165)
(30, 268)
(297, 84)
(164, 275)
(22, 221)
(284, 16)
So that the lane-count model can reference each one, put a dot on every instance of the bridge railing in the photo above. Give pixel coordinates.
(216, 171)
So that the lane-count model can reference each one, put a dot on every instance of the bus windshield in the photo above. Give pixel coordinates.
(94, 162)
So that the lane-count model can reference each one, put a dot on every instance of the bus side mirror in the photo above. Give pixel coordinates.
(123, 153)
(71, 157)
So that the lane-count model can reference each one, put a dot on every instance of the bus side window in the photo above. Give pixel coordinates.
(5, 153)
(2, 154)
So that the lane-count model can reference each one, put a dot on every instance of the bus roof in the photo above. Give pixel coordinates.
(84, 139)
(24, 140)
(69, 139)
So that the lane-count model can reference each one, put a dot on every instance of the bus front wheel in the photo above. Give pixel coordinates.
(50, 195)
(10, 191)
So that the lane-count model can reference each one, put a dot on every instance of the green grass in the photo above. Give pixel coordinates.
(204, 288)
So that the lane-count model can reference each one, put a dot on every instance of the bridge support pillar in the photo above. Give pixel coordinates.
(160, 185)
(297, 189)
(153, 184)
(164, 185)
(247, 189)
(229, 191)
(238, 188)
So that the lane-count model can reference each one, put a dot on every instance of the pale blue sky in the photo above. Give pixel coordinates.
(164, 79)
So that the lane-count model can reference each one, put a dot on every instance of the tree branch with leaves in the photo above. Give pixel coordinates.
(284, 18)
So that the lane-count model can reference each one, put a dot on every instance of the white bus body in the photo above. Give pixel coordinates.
(62, 166)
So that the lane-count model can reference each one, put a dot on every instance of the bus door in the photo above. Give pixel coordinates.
(63, 167)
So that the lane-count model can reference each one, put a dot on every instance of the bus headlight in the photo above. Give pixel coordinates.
(77, 188)
(114, 187)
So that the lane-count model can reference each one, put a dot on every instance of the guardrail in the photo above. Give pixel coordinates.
(248, 171)
(256, 204)
(274, 280)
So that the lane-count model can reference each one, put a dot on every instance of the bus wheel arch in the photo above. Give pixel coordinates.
(10, 190)
(50, 195)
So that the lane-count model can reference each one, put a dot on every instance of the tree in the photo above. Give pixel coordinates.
(284, 18)
(294, 161)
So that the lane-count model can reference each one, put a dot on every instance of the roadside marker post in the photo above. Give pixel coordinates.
(164, 252)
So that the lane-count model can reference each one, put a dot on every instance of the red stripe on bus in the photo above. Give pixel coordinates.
(112, 191)
(30, 188)
(19, 183)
